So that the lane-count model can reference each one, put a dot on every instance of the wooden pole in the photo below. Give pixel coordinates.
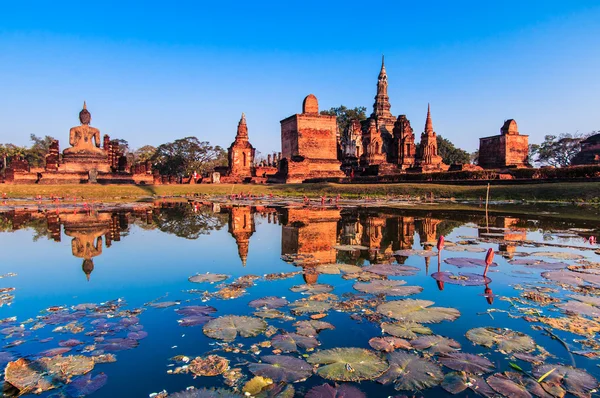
(487, 198)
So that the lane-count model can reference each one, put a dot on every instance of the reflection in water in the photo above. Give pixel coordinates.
(87, 231)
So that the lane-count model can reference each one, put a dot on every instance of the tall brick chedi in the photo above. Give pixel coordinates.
(428, 158)
(241, 153)
(509, 149)
(309, 145)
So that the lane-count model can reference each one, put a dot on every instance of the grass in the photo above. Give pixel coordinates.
(587, 192)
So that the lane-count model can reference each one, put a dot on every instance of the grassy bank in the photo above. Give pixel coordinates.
(550, 192)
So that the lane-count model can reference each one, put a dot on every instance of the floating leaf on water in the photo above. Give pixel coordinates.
(591, 300)
(505, 386)
(535, 359)
(465, 362)
(28, 376)
(391, 269)
(481, 387)
(578, 307)
(309, 306)
(194, 320)
(164, 304)
(389, 288)
(461, 262)
(279, 390)
(210, 278)
(137, 335)
(435, 344)
(312, 327)
(506, 340)
(312, 289)
(455, 382)
(268, 302)
(470, 249)
(462, 278)
(270, 313)
(350, 248)
(86, 385)
(558, 255)
(532, 263)
(420, 311)
(54, 352)
(256, 385)
(228, 327)
(410, 252)
(410, 372)
(575, 381)
(348, 364)
(281, 368)
(212, 365)
(405, 330)
(290, 342)
(205, 393)
(113, 345)
(337, 391)
(389, 344)
(574, 324)
(63, 368)
(335, 269)
(196, 310)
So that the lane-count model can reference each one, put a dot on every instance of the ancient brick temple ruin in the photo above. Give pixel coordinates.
(308, 146)
(590, 152)
(428, 158)
(509, 149)
(241, 227)
(85, 161)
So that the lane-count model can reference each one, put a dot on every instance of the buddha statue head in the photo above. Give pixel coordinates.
(85, 117)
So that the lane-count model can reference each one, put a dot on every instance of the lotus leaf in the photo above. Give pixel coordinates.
(194, 320)
(312, 327)
(389, 288)
(435, 344)
(28, 376)
(575, 381)
(196, 310)
(410, 310)
(137, 335)
(309, 306)
(461, 262)
(410, 252)
(208, 277)
(205, 393)
(164, 304)
(350, 248)
(348, 364)
(529, 383)
(467, 362)
(532, 263)
(337, 391)
(69, 343)
(410, 372)
(591, 300)
(289, 342)
(462, 278)
(269, 313)
(228, 327)
(558, 255)
(481, 387)
(312, 289)
(212, 365)
(281, 368)
(389, 344)
(119, 344)
(86, 385)
(578, 307)
(455, 382)
(405, 330)
(535, 359)
(506, 340)
(470, 249)
(505, 386)
(279, 390)
(54, 352)
(268, 302)
(391, 269)
(256, 385)
(335, 269)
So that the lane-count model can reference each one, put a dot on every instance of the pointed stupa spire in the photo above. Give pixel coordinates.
(242, 130)
(428, 122)
(84, 105)
(243, 119)
(382, 72)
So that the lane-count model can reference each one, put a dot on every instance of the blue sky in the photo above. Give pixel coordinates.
(152, 72)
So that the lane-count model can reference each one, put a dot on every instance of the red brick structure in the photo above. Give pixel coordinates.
(404, 143)
(241, 153)
(373, 154)
(241, 227)
(509, 149)
(590, 151)
(428, 158)
(309, 145)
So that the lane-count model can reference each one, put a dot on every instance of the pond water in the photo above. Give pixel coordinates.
(103, 304)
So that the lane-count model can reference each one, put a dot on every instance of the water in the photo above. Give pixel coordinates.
(142, 257)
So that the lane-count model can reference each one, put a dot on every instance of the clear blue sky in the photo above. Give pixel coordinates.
(152, 72)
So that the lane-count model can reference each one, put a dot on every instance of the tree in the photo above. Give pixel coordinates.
(474, 157)
(558, 151)
(144, 153)
(7, 151)
(36, 155)
(122, 144)
(451, 154)
(346, 115)
(184, 222)
(184, 156)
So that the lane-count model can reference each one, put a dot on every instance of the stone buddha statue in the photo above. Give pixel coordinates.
(81, 138)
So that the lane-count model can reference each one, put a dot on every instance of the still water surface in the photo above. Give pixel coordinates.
(139, 263)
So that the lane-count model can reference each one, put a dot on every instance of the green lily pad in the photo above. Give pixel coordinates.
(465, 362)
(289, 342)
(281, 368)
(389, 288)
(420, 311)
(435, 344)
(268, 302)
(348, 364)
(410, 372)
(230, 326)
(312, 327)
(405, 330)
(506, 340)
(309, 306)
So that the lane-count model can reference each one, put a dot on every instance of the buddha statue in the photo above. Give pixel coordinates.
(81, 138)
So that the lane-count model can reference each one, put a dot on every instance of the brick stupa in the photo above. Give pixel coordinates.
(509, 149)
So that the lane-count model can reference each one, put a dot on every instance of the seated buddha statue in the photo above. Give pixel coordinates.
(84, 139)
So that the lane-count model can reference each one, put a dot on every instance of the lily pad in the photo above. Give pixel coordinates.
(470, 249)
(312, 327)
(230, 326)
(309, 306)
(205, 393)
(573, 278)
(533, 263)
(505, 386)
(208, 278)
(420, 311)
(335, 269)
(462, 278)
(337, 391)
(410, 372)
(391, 269)
(196, 310)
(118, 344)
(281, 368)
(290, 342)
(86, 385)
(256, 385)
(411, 252)
(558, 255)
(194, 320)
(578, 307)
(455, 382)
(268, 302)
(212, 365)
(348, 364)
(575, 381)
(388, 287)
(505, 340)
(461, 262)
(28, 376)
(405, 330)
(312, 289)
(465, 362)
(350, 248)
(435, 344)
(389, 344)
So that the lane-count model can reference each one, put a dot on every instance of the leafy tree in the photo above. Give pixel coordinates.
(123, 145)
(36, 155)
(346, 115)
(474, 157)
(182, 221)
(184, 156)
(558, 151)
(451, 154)
(7, 151)
(144, 153)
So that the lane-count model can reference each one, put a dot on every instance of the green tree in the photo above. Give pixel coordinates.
(451, 154)
(345, 115)
(123, 145)
(8, 151)
(144, 153)
(184, 156)
(36, 154)
(184, 222)
(558, 151)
